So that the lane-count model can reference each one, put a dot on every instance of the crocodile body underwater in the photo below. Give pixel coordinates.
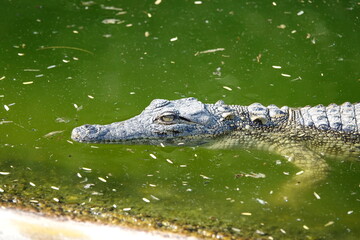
(302, 135)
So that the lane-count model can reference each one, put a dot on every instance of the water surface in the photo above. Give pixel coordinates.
(67, 63)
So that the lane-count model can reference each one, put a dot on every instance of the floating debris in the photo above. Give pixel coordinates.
(153, 156)
(6, 107)
(198, 2)
(56, 199)
(204, 177)
(276, 67)
(53, 133)
(300, 13)
(112, 21)
(227, 88)
(127, 209)
(102, 179)
(262, 202)
(55, 188)
(169, 161)
(146, 200)
(246, 213)
(285, 75)
(283, 231)
(27, 83)
(173, 39)
(350, 212)
(329, 223)
(155, 198)
(91, 97)
(2, 78)
(157, 2)
(51, 66)
(4, 173)
(299, 173)
(209, 51)
(251, 174)
(316, 195)
(306, 227)
(86, 169)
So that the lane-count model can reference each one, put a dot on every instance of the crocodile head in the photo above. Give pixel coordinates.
(185, 121)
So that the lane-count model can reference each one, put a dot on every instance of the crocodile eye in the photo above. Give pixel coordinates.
(167, 118)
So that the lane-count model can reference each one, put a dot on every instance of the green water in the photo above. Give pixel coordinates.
(64, 64)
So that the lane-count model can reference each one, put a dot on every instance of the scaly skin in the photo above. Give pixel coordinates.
(302, 135)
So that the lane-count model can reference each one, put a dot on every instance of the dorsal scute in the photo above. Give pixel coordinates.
(319, 117)
(277, 114)
(259, 114)
(348, 117)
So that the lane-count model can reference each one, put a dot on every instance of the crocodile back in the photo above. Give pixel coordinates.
(341, 118)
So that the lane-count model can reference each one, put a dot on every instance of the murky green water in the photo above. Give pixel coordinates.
(67, 63)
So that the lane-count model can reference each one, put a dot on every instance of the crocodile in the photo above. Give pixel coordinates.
(304, 136)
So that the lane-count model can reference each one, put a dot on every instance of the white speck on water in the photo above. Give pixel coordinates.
(129, 25)
(39, 75)
(286, 173)
(283, 231)
(2, 190)
(146, 200)
(51, 66)
(300, 13)
(27, 83)
(278, 162)
(102, 179)
(262, 202)
(86, 169)
(350, 212)
(155, 198)
(94, 146)
(32, 184)
(153, 156)
(66, 61)
(235, 229)
(6, 107)
(246, 213)
(285, 75)
(299, 173)
(173, 39)
(274, 3)
(55, 188)
(162, 145)
(183, 165)
(76, 106)
(329, 223)
(78, 175)
(317, 195)
(4, 173)
(127, 209)
(204, 177)
(157, 2)
(198, 2)
(2, 78)
(91, 97)
(305, 227)
(227, 88)
(21, 54)
(169, 161)
(131, 93)
(56, 199)
(189, 190)
(152, 185)
(276, 67)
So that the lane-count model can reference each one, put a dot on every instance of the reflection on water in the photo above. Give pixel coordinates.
(106, 61)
